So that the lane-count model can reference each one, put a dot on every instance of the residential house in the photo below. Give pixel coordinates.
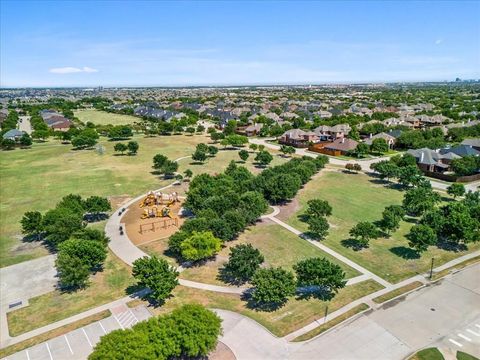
(340, 146)
(474, 143)
(389, 139)
(298, 138)
(330, 133)
(13, 134)
(461, 150)
(432, 161)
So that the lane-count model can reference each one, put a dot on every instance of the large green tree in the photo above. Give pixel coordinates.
(200, 245)
(157, 275)
(320, 272)
(243, 261)
(273, 286)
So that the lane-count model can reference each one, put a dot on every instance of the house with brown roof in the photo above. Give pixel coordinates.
(341, 146)
(298, 138)
(389, 139)
(330, 133)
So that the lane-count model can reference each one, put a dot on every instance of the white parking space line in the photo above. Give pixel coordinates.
(455, 342)
(28, 355)
(85, 333)
(119, 323)
(473, 332)
(464, 337)
(49, 353)
(104, 331)
(133, 314)
(68, 343)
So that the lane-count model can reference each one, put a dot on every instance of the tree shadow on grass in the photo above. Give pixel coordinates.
(451, 246)
(405, 252)
(226, 276)
(316, 292)
(94, 217)
(353, 244)
(259, 306)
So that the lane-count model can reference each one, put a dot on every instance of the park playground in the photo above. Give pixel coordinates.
(156, 216)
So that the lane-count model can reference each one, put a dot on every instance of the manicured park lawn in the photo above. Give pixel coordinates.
(357, 197)
(37, 178)
(279, 247)
(105, 286)
(104, 118)
(295, 314)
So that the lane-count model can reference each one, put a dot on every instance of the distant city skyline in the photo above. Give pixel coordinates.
(146, 43)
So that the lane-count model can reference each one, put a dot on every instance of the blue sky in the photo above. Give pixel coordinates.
(123, 43)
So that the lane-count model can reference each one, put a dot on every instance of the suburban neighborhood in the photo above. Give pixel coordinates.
(239, 180)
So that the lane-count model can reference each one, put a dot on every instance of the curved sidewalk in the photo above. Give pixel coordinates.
(122, 247)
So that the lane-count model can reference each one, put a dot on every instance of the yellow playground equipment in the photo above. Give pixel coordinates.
(154, 198)
(157, 212)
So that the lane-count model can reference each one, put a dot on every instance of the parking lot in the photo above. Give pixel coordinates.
(78, 344)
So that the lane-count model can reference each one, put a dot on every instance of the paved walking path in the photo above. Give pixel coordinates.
(332, 252)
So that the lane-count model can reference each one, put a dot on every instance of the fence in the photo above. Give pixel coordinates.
(163, 224)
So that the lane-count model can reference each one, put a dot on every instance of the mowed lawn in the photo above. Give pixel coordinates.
(279, 246)
(104, 118)
(292, 316)
(355, 198)
(37, 178)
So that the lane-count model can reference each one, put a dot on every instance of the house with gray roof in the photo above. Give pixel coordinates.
(13, 134)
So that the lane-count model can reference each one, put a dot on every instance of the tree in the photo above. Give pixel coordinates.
(89, 233)
(8, 144)
(97, 204)
(157, 275)
(409, 175)
(190, 331)
(197, 330)
(363, 232)
(264, 158)
(421, 237)
(83, 142)
(215, 136)
(200, 245)
(456, 189)
(253, 147)
(132, 147)
(391, 217)
(361, 150)
(243, 155)
(320, 272)
(188, 173)
(159, 161)
(287, 150)
(418, 200)
(386, 169)
(236, 140)
(212, 150)
(32, 223)
(72, 272)
(467, 165)
(318, 226)
(190, 130)
(379, 146)
(120, 147)
(200, 128)
(25, 140)
(60, 223)
(281, 187)
(199, 156)
(91, 253)
(243, 261)
(73, 202)
(169, 168)
(460, 223)
(273, 286)
(120, 132)
(318, 208)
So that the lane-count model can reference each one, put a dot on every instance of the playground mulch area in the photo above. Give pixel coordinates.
(163, 226)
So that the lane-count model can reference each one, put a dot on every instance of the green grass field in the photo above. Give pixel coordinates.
(104, 118)
(279, 247)
(37, 178)
(354, 198)
(292, 316)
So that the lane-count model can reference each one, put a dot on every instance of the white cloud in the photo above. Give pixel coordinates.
(72, 70)
(438, 41)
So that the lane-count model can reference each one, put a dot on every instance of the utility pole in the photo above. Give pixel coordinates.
(431, 269)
